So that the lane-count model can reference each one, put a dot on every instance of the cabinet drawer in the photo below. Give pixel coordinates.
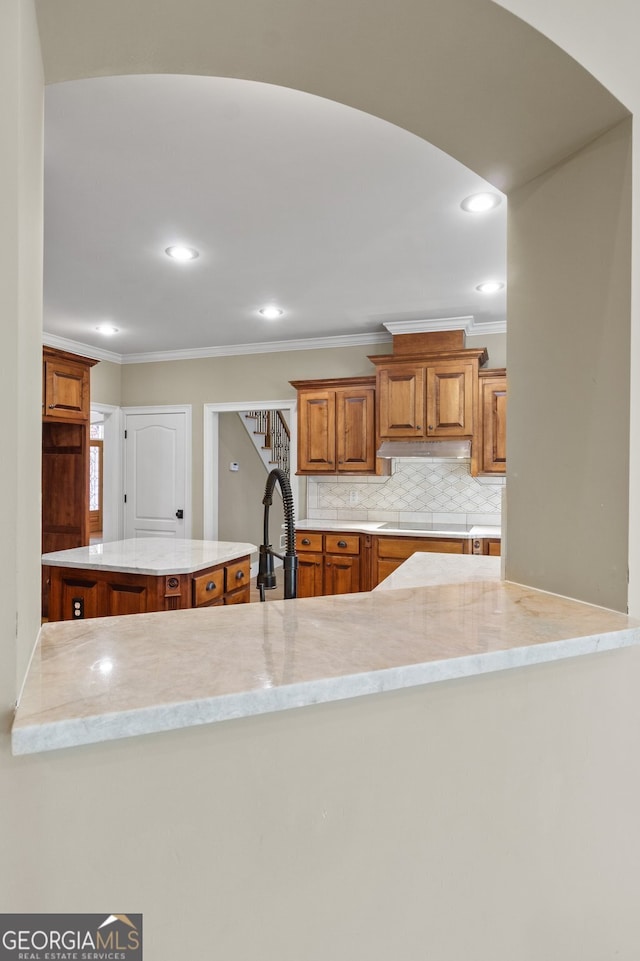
(237, 575)
(208, 587)
(238, 597)
(308, 541)
(342, 543)
(401, 548)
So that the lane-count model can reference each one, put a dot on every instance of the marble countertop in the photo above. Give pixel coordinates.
(150, 555)
(380, 527)
(440, 569)
(108, 678)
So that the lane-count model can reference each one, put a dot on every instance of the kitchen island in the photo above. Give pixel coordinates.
(140, 575)
(438, 618)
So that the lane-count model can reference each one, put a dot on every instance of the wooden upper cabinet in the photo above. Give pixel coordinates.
(336, 426)
(317, 431)
(450, 395)
(490, 442)
(65, 386)
(401, 401)
(355, 428)
(429, 395)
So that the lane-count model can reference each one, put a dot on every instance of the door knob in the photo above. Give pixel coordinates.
(180, 514)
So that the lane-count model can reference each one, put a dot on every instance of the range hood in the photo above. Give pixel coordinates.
(444, 449)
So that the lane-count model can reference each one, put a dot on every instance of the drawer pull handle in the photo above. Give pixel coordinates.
(239, 575)
(211, 586)
(342, 543)
(306, 541)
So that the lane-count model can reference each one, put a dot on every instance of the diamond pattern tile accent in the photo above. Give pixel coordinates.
(444, 487)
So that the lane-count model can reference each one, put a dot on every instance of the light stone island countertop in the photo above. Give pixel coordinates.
(150, 555)
(108, 678)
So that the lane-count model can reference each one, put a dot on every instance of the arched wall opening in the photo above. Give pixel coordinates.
(501, 98)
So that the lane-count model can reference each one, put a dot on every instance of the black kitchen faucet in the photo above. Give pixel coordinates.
(266, 580)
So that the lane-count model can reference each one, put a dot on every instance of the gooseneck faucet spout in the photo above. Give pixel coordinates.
(266, 575)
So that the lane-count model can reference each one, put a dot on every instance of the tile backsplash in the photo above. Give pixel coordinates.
(435, 490)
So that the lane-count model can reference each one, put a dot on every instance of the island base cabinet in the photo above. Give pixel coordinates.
(75, 593)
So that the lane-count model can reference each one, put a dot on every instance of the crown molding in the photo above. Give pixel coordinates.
(160, 356)
(75, 347)
(466, 323)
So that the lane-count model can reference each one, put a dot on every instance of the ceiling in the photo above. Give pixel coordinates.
(345, 221)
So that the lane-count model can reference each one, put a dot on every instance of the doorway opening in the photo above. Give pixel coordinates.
(213, 510)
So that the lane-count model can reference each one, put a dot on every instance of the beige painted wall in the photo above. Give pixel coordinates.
(21, 115)
(251, 378)
(494, 818)
(106, 383)
(569, 375)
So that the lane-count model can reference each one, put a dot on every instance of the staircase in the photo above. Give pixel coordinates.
(271, 436)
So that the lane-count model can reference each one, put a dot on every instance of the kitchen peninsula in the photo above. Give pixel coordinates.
(140, 575)
(438, 618)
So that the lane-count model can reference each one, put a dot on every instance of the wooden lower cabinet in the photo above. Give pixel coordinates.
(329, 563)
(489, 546)
(76, 593)
(389, 552)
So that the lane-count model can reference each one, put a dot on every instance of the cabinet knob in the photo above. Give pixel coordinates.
(342, 543)
(211, 586)
(430, 427)
(418, 427)
(306, 541)
(51, 406)
(328, 563)
(239, 575)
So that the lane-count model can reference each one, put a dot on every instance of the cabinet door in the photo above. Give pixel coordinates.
(66, 390)
(355, 430)
(341, 574)
(450, 400)
(401, 401)
(493, 406)
(309, 575)
(317, 431)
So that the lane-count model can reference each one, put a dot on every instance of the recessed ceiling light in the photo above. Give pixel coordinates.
(478, 203)
(107, 329)
(182, 253)
(271, 312)
(490, 287)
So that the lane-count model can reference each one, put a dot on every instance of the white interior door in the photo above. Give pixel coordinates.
(157, 460)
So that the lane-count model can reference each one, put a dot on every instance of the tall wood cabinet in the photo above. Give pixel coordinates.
(336, 426)
(65, 452)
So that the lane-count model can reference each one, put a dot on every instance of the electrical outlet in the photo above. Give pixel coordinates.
(77, 609)
(354, 497)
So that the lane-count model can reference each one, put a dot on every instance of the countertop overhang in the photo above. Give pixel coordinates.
(439, 617)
